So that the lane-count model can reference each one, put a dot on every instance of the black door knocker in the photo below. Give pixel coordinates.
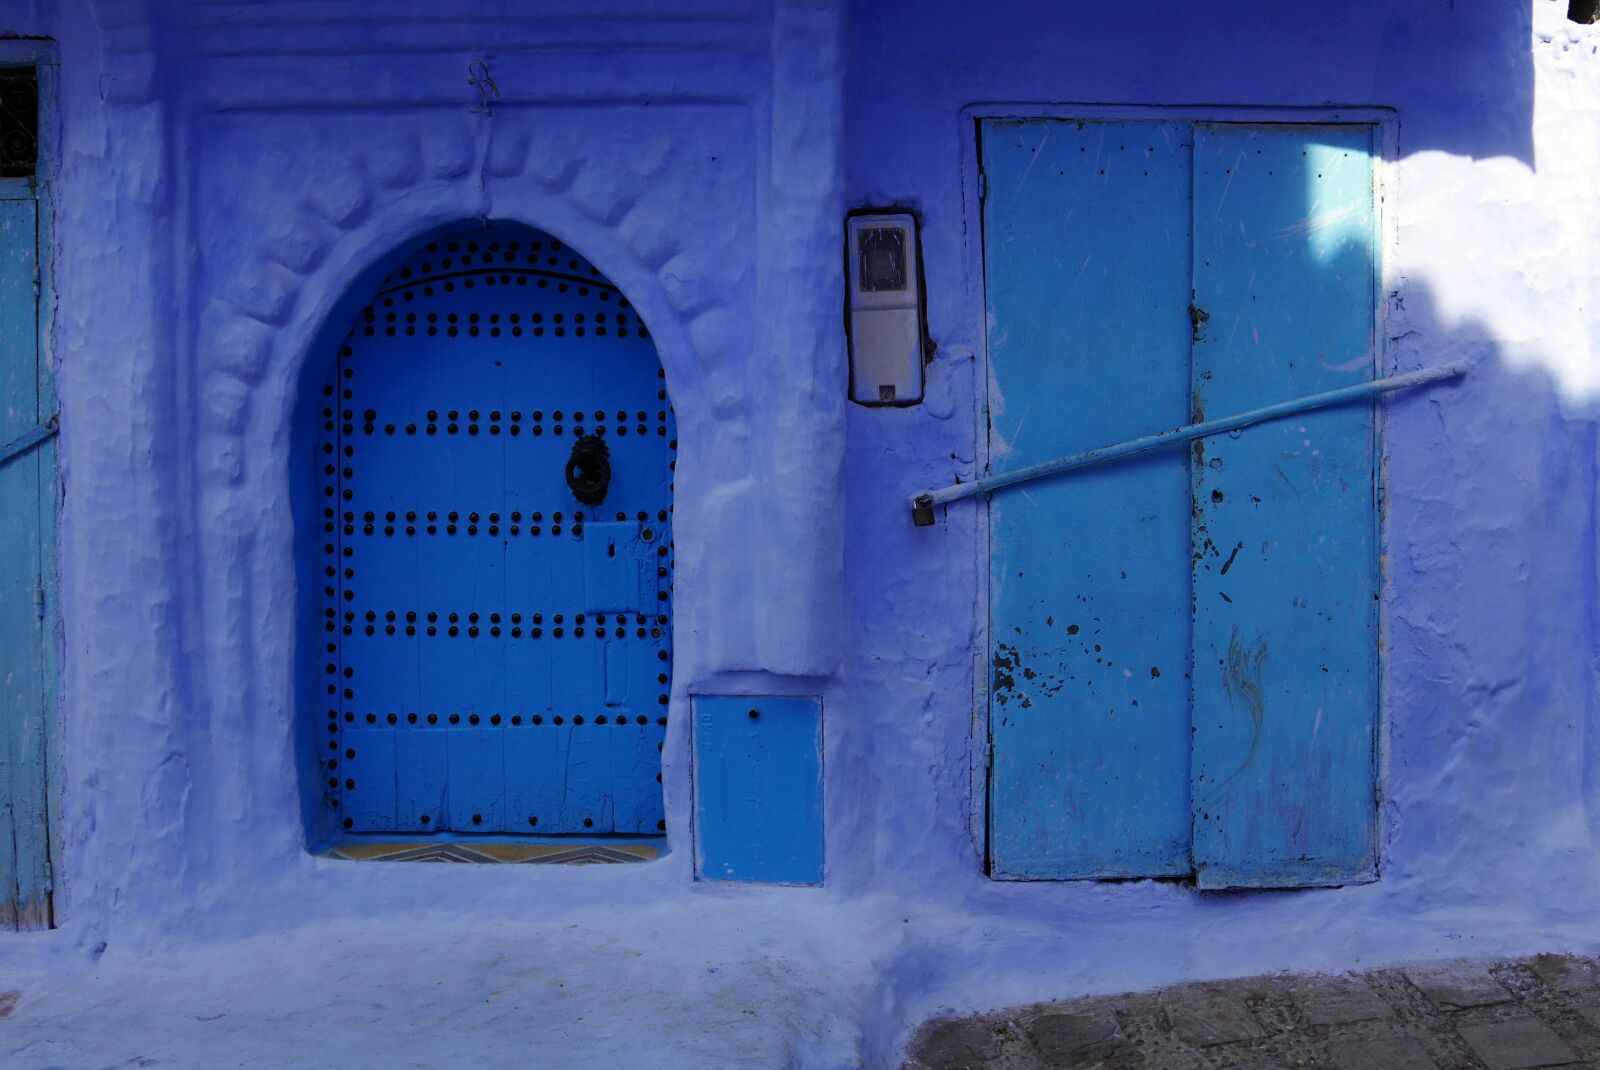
(589, 470)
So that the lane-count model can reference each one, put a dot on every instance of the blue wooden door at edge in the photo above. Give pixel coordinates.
(498, 647)
(1183, 643)
(28, 628)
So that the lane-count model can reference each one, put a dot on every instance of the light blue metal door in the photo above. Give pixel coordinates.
(1285, 536)
(28, 656)
(1176, 637)
(497, 461)
(1086, 245)
(758, 788)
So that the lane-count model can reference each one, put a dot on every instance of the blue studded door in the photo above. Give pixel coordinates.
(497, 465)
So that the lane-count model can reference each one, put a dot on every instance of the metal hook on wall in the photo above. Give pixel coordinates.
(479, 78)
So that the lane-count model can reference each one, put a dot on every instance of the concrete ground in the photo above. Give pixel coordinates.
(441, 993)
(779, 980)
(1485, 1015)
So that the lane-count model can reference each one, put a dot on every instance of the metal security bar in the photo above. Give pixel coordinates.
(922, 504)
(28, 440)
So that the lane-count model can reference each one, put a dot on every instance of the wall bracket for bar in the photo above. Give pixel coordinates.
(29, 439)
(922, 504)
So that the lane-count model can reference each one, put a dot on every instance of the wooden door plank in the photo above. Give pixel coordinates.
(586, 803)
(422, 778)
(24, 687)
(1086, 255)
(367, 770)
(1285, 560)
(535, 773)
(477, 769)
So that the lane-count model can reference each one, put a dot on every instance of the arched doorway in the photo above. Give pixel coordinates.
(496, 463)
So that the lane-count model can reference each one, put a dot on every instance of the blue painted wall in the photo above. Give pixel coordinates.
(225, 181)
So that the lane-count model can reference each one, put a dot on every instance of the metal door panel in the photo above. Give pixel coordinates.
(1086, 238)
(759, 788)
(1285, 561)
(1249, 564)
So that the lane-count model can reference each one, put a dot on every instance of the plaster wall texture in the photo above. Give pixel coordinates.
(229, 172)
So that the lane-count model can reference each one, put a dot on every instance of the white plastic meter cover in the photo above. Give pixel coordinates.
(885, 310)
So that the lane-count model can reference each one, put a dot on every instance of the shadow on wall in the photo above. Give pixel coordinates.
(1493, 755)
(1487, 45)
(1490, 561)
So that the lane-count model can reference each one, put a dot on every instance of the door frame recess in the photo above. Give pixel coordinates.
(974, 299)
(42, 55)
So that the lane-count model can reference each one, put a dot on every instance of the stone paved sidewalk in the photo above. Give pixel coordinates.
(1537, 1012)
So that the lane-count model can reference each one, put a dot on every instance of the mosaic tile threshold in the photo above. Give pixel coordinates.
(576, 854)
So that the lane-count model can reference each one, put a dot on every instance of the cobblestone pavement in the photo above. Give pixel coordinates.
(1506, 1015)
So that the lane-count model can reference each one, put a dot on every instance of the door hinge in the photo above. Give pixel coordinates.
(983, 186)
(38, 602)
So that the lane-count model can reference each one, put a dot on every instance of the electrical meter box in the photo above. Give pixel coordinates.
(885, 324)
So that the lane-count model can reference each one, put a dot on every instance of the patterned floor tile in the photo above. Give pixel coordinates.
(571, 854)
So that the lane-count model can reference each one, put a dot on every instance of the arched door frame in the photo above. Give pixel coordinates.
(332, 292)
